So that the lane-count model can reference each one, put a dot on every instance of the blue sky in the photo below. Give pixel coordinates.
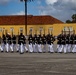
(15, 6)
(60, 9)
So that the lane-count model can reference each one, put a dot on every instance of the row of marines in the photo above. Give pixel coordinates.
(37, 43)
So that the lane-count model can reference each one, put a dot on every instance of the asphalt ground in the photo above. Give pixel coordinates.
(37, 64)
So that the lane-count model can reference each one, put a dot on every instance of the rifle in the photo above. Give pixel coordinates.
(5, 32)
(18, 32)
(12, 33)
(44, 31)
(64, 31)
(1, 37)
(40, 32)
(30, 32)
(69, 30)
(36, 31)
(2, 33)
(73, 31)
(48, 31)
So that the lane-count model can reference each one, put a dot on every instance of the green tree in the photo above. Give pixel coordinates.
(74, 17)
(68, 21)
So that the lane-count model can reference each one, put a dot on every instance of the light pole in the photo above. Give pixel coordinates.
(26, 13)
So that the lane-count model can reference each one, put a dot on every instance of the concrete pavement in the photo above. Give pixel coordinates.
(37, 64)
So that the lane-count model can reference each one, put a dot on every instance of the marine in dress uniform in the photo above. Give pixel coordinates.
(74, 43)
(64, 42)
(59, 43)
(25, 46)
(8, 42)
(39, 40)
(50, 40)
(21, 42)
(3, 43)
(35, 43)
(30, 39)
(68, 43)
(44, 42)
(13, 43)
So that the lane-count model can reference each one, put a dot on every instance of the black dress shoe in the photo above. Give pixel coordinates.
(60, 52)
(12, 51)
(39, 52)
(17, 51)
(1, 51)
(6, 52)
(22, 53)
(34, 52)
(26, 51)
(44, 52)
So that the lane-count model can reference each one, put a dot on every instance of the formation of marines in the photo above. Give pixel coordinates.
(38, 43)
(66, 42)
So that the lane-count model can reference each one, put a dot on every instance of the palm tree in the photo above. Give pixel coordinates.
(26, 13)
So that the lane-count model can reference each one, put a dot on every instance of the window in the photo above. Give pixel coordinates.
(21, 29)
(3, 30)
(11, 29)
(65, 29)
(51, 29)
(71, 28)
(41, 28)
(31, 29)
(68, 28)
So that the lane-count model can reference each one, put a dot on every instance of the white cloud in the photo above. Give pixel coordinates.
(19, 13)
(50, 1)
(61, 9)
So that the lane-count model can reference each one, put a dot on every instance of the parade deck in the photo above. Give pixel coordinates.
(37, 64)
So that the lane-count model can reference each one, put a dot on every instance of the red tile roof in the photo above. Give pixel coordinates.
(31, 20)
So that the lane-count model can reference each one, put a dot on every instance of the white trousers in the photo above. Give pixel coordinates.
(39, 48)
(65, 48)
(50, 48)
(69, 48)
(44, 48)
(17, 47)
(21, 48)
(59, 48)
(7, 46)
(2, 47)
(30, 48)
(12, 47)
(74, 49)
(35, 48)
(25, 47)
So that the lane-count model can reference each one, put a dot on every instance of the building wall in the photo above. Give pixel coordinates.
(36, 29)
(55, 28)
(59, 27)
(8, 29)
